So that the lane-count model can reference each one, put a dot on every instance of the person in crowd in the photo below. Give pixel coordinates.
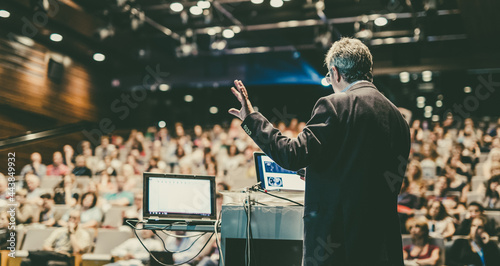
(26, 213)
(47, 210)
(457, 182)
(91, 161)
(131, 252)
(135, 211)
(33, 187)
(90, 214)
(105, 167)
(441, 187)
(491, 198)
(474, 210)
(69, 157)
(81, 168)
(493, 157)
(476, 249)
(439, 221)
(67, 191)
(57, 168)
(4, 230)
(104, 149)
(4, 191)
(420, 251)
(431, 163)
(120, 197)
(36, 166)
(62, 243)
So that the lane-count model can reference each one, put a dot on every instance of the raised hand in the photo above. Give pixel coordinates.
(240, 92)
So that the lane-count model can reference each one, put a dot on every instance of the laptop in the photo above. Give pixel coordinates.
(274, 177)
(176, 198)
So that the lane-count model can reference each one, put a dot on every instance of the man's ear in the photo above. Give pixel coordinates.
(336, 74)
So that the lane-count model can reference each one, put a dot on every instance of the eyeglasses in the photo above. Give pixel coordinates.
(328, 78)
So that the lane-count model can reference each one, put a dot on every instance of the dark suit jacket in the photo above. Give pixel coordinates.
(355, 148)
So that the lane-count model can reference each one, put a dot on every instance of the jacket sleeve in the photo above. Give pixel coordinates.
(294, 153)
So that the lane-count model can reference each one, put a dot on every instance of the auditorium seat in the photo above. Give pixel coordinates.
(60, 210)
(106, 240)
(474, 196)
(477, 181)
(49, 182)
(433, 241)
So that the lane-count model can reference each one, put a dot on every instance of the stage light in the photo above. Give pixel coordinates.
(276, 3)
(420, 105)
(439, 103)
(228, 33)
(162, 124)
(257, 1)
(427, 114)
(99, 57)
(204, 4)
(324, 82)
(236, 29)
(176, 7)
(381, 21)
(196, 10)
(420, 99)
(4, 13)
(164, 87)
(211, 32)
(56, 37)
(435, 118)
(440, 97)
(428, 108)
(404, 77)
(467, 89)
(426, 76)
(188, 98)
(213, 110)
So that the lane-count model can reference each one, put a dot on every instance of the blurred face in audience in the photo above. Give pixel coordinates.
(57, 158)
(104, 141)
(416, 231)
(3, 183)
(441, 183)
(493, 186)
(32, 181)
(476, 224)
(4, 220)
(21, 196)
(474, 211)
(80, 161)
(36, 157)
(434, 209)
(120, 182)
(87, 201)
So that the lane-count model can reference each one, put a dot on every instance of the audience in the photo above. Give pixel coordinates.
(421, 251)
(90, 214)
(57, 168)
(439, 221)
(36, 166)
(131, 252)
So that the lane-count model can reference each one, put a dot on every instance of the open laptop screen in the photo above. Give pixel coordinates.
(179, 196)
(274, 177)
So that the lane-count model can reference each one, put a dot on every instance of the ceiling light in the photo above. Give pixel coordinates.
(164, 87)
(467, 89)
(56, 37)
(196, 10)
(420, 99)
(228, 33)
(439, 103)
(257, 1)
(4, 13)
(427, 114)
(204, 4)
(188, 98)
(381, 21)
(162, 124)
(420, 105)
(435, 118)
(428, 108)
(276, 3)
(404, 77)
(176, 7)
(211, 32)
(236, 29)
(99, 57)
(426, 76)
(213, 110)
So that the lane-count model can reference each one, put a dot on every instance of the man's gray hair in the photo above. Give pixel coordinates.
(352, 59)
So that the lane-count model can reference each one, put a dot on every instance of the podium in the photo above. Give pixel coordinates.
(276, 235)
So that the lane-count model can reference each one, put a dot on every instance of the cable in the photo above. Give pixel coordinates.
(161, 263)
(180, 251)
(219, 219)
(248, 207)
(177, 236)
(265, 192)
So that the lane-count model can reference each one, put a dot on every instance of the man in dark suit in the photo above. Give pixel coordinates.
(355, 148)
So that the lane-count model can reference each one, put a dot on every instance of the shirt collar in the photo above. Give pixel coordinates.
(350, 85)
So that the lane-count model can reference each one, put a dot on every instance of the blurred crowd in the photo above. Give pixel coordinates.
(449, 193)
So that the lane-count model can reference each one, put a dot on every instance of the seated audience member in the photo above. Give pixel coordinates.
(104, 149)
(476, 250)
(69, 157)
(4, 230)
(120, 197)
(36, 166)
(135, 211)
(491, 198)
(67, 191)
(441, 187)
(420, 252)
(129, 174)
(33, 187)
(62, 243)
(47, 210)
(131, 252)
(473, 211)
(105, 167)
(81, 168)
(493, 157)
(57, 168)
(26, 213)
(457, 182)
(439, 222)
(405, 198)
(90, 214)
